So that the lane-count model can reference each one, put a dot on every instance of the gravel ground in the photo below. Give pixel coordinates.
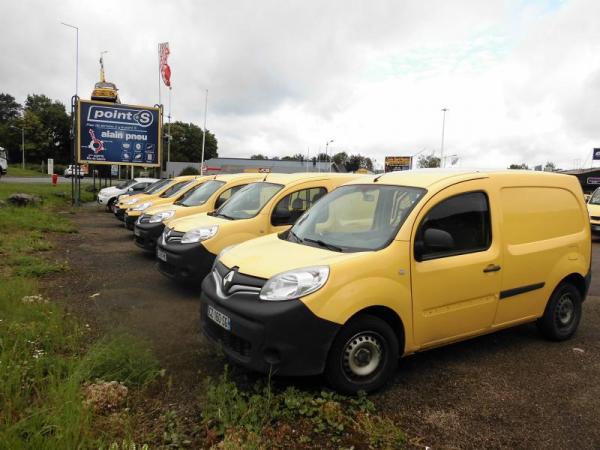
(511, 389)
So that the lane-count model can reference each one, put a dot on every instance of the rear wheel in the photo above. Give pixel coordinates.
(563, 313)
(364, 355)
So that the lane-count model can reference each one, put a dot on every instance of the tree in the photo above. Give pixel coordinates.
(355, 162)
(323, 157)
(340, 158)
(549, 167)
(428, 161)
(521, 166)
(296, 157)
(186, 143)
(9, 108)
(259, 156)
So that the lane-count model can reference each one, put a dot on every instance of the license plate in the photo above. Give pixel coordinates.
(161, 254)
(219, 318)
(137, 232)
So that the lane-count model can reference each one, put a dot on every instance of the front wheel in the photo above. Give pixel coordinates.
(563, 313)
(364, 355)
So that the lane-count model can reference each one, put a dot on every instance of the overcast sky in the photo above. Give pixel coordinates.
(521, 79)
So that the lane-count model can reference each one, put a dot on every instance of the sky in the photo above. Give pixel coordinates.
(520, 78)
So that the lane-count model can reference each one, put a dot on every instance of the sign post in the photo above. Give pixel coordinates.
(50, 166)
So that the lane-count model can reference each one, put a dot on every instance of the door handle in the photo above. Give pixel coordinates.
(492, 268)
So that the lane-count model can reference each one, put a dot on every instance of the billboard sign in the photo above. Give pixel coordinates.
(395, 163)
(118, 134)
(596, 154)
(593, 180)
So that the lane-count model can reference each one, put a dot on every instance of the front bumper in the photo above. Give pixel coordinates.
(595, 228)
(188, 262)
(119, 213)
(283, 337)
(103, 200)
(129, 221)
(147, 235)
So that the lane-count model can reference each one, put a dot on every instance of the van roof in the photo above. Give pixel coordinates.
(289, 178)
(239, 176)
(425, 178)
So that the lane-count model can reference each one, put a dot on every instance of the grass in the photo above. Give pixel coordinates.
(45, 354)
(15, 170)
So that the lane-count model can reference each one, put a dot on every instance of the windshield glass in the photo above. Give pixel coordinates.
(126, 183)
(356, 218)
(248, 201)
(176, 189)
(199, 195)
(157, 186)
(595, 198)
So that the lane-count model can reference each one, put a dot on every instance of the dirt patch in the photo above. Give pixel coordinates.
(511, 389)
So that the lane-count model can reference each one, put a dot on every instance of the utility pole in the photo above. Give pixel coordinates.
(443, 129)
(326, 155)
(204, 133)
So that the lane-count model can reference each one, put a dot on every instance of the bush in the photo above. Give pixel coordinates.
(189, 170)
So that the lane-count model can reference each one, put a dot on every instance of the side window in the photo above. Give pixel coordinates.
(457, 225)
(293, 205)
(139, 187)
(226, 195)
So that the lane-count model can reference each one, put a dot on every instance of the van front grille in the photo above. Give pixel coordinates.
(228, 340)
(595, 217)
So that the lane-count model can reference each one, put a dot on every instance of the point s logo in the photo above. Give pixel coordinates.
(120, 116)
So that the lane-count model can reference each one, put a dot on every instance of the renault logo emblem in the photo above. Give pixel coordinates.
(227, 279)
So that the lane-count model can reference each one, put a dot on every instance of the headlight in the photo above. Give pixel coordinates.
(199, 234)
(142, 207)
(161, 216)
(132, 201)
(295, 283)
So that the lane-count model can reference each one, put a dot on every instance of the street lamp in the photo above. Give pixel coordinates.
(22, 144)
(76, 56)
(442, 146)
(326, 155)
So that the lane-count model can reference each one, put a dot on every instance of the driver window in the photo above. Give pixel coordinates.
(226, 195)
(292, 206)
(457, 225)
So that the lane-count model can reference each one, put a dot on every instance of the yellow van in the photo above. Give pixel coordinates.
(204, 198)
(170, 195)
(398, 263)
(154, 190)
(593, 206)
(188, 246)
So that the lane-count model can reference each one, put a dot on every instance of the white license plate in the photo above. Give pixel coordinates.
(219, 318)
(137, 232)
(161, 254)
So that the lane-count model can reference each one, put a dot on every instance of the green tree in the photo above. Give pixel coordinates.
(323, 157)
(521, 166)
(340, 158)
(550, 167)
(296, 157)
(186, 143)
(358, 161)
(10, 115)
(259, 156)
(9, 108)
(428, 161)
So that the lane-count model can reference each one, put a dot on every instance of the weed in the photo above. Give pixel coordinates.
(381, 432)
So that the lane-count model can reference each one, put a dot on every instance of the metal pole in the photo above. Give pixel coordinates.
(169, 131)
(159, 100)
(442, 146)
(204, 133)
(327, 155)
(23, 146)
(76, 56)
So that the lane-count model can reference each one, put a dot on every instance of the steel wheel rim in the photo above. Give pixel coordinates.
(565, 311)
(363, 355)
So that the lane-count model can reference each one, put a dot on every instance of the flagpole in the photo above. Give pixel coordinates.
(204, 133)
(169, 130)
(159, 99)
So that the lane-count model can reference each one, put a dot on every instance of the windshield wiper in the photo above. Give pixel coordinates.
(225, 216)
(321, 243)
(295, 236)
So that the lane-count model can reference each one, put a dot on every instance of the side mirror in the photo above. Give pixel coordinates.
(130, 190)
(434, 241)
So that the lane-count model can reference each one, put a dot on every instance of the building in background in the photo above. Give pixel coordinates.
(589, 178)
(215, 166)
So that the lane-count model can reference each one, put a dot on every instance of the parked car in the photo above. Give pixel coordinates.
(3, 162)
(593, 206)
(109, 195)
(205, 197)
(188, 246)
(399, 263)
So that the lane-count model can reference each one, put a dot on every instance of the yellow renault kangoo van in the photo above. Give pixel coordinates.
(398, 263)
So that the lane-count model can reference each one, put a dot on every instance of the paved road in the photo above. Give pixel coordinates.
(510, 389)
(38, 180)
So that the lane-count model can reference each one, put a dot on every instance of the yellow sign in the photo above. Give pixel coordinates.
(394, 163)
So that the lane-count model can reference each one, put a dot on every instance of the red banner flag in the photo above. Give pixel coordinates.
(165, 70)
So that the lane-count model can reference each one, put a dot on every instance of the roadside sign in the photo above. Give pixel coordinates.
(596, 154)
(50, 166)
(114, 170)
(593, 180)
(110, 133)
(395, 163)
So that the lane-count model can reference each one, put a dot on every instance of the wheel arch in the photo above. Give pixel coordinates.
(389, 316)
(577, 280)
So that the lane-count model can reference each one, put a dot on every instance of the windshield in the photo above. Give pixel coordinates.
(157, 186)
(595, 198)
(176, 189)
(126, 183)
(248, 201)
(356, 218)
(199, 195)
(3, 154)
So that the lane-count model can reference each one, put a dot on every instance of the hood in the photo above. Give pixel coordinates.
(160, 208)
(269, 255)
(110, 190)
(196, 221)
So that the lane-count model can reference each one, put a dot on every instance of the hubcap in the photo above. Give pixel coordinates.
(565, 311)
(362, 354)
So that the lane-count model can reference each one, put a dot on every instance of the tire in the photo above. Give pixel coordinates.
(563, 313)
(364, 341)
(110, 203)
